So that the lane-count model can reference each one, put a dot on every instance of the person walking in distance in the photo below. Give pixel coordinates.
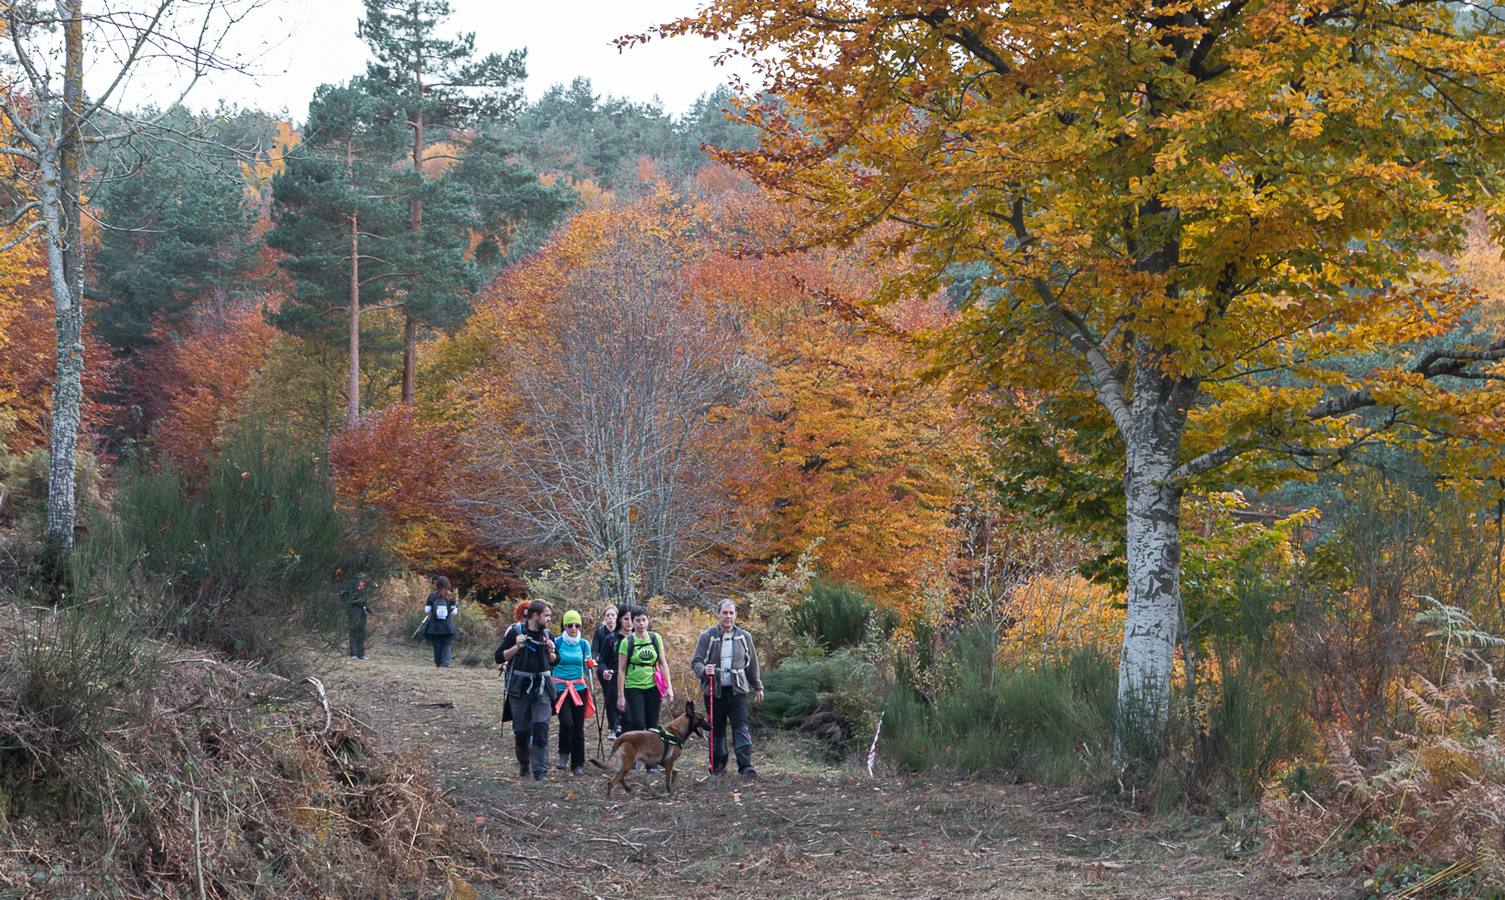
(726, 664)
(529, 653)
(573, 703)
(357, 608)
(645, 679)
(604, 648)
(439, 627)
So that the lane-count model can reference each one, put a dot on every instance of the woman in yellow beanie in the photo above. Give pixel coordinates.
(573, 689)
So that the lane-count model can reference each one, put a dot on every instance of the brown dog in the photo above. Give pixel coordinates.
(650, 748)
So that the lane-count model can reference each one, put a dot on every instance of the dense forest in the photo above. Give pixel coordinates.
(1109, 401)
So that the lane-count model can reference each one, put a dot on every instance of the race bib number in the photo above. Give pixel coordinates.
(441, 612)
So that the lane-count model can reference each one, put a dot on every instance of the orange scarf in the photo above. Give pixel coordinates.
(567, 690)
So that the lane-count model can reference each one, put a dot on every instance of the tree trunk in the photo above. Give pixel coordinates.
(65, 266)
(409, 356)
(353, 415)
(1153, 557)
(415, 224)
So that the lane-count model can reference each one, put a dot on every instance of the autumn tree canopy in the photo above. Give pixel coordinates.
(1188, 213)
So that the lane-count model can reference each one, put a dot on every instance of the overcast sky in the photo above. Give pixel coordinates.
(300, 44)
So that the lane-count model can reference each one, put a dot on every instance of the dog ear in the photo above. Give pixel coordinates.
(690, 708)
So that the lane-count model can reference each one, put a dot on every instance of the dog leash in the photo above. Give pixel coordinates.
(710, 710)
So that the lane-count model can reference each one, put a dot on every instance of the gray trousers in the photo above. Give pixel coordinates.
(530, 728)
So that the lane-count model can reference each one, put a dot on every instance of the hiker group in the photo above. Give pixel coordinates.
(549, 676)
(560, 676)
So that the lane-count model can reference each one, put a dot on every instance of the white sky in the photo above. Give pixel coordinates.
(300, 44)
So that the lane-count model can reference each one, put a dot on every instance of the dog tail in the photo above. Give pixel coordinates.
(617, 742)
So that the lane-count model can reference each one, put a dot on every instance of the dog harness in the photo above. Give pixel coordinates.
(667, 737)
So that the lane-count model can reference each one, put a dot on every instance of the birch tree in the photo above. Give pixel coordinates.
(54, 121)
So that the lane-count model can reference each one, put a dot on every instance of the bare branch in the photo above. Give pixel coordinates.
(26, 233)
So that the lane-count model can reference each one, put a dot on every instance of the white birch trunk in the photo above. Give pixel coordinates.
(68, 371)
(1153, 557)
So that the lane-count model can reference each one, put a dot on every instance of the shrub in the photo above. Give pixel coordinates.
(1427, 803)
(835, 616)
(129, 772)
(80, 673)
(833, 698)
(249, 557)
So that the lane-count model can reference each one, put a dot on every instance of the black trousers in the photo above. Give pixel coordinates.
(357, 619)
(642, 708)
(442, 644)
(572, 732)
(730, 706)
(609, 700)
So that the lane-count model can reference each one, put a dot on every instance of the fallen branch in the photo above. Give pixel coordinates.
(324, 701)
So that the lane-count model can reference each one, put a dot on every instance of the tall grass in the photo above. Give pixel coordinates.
(1051, 722)
(1055, 720)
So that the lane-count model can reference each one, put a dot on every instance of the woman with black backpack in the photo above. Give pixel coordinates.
(439, 626)
(604, 645)
(645, 681)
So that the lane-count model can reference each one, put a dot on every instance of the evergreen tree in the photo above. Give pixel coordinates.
(439, 92)
(177, 232)
(337, 214)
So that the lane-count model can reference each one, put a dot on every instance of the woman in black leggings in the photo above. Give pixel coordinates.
(640, 655)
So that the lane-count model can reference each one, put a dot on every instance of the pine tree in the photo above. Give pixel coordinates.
(178, 238)
(438, 92)
(337, 214)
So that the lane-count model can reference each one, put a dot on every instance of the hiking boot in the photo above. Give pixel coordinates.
(563, 762)
(523, 772)
(749, 773)
(578, 770)
(541, 775)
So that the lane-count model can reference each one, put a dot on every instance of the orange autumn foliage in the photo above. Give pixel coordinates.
(410, 471)
(203, 376)
(28, 353)
(854, 447)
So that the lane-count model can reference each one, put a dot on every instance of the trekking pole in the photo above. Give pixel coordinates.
(710, 710)
(600, 734)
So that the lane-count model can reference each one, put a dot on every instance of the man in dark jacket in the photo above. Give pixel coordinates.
(529, 654)
(727, 665)
(356, 610)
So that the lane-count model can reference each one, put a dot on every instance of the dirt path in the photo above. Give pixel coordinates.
(803, 829)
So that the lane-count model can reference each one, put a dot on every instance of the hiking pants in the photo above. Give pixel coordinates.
(442, 643)
(530, 731)
(572, 732)
(357, 632)
(730, 705)
(642, 708)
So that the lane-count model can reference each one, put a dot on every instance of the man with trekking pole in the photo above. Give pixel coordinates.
(727, 662)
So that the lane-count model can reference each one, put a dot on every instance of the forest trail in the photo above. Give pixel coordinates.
(803, 829)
